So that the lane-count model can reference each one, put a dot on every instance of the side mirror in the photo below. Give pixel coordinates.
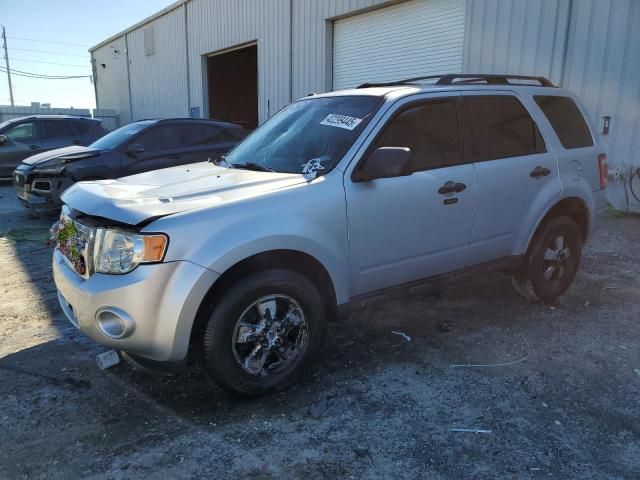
(3, 139)
(134, 148)
(384, 162)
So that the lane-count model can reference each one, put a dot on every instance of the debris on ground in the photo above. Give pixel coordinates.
(470, 430)
(330, 406)
(406, 337)
(107, 359)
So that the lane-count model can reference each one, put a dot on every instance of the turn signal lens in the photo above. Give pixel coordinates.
(154, 247)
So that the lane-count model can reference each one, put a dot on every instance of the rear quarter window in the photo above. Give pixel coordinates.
(566, 119)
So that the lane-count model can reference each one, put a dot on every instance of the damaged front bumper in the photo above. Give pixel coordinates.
(155, 305)
(40, 192)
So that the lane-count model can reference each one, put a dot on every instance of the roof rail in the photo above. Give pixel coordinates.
(462, 78)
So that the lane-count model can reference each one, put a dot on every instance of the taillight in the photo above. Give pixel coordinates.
(602, 164)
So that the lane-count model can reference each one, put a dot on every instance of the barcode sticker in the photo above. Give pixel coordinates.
(341, 121)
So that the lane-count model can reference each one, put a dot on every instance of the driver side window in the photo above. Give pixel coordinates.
(22, 132)
(431, 129)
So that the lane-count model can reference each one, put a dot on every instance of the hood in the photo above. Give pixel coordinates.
(70, 154)
(137, 198)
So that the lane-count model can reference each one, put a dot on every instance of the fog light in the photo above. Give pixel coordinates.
(114, 323)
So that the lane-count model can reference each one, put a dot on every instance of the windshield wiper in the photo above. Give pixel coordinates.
(252, 166)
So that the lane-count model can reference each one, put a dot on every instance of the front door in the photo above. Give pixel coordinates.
(411, 227)
(160, 148)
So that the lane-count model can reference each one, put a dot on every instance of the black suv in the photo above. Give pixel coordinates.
(22, 137)
(135, 148)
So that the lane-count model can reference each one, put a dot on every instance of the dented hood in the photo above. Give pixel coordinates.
(72, 153)
(137, 198)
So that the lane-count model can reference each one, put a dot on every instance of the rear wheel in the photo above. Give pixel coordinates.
(552, 261)
(263, 333)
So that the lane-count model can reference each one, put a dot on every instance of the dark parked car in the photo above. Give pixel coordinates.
(23, 137)
(138, 147)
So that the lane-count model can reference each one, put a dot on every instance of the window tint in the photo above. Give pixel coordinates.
(502, 127)
(81, 128)
(58, 128)
(23, 131)
(200, 134)
(163, 137)
(567, 121)
(431, 130)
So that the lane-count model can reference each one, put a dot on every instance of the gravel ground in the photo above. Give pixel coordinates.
(562, 404)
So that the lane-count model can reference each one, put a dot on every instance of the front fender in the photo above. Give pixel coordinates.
(312, 222)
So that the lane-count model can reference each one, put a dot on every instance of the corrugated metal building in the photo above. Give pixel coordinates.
(243, 60)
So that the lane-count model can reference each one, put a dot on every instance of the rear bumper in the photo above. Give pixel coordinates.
(162, 300)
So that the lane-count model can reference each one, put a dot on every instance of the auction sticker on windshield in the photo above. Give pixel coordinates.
(341, 121)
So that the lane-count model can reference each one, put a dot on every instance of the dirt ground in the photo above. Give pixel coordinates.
(376, 405)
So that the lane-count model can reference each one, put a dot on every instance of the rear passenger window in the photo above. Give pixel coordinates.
(431, 130)
(58, 128)
(567, 121)
(502, 128)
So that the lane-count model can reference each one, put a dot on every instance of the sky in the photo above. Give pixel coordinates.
(53, 37)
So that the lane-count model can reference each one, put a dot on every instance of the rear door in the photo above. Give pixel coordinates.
(516, 173)
(161, 148)
(407, 228)
(58, 133)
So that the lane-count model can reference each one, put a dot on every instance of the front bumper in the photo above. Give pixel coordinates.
(162, 299)
(39, 192)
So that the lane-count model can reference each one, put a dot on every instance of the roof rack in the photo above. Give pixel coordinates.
(466, 78)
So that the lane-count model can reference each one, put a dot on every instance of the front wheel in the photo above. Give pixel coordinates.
(263, 333)
(552, 261)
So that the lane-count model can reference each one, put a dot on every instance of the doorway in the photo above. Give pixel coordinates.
(232, 79)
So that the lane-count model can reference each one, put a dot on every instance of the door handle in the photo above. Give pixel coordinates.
(539, 172)
(451, 187)
(34, 147)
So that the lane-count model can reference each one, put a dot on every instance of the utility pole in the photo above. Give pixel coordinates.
(6, 58)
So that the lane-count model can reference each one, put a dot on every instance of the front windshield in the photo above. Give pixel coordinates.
(118, 137)
(308, 137)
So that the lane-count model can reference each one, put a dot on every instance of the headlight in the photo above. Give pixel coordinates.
(119, 251)
(53, 166)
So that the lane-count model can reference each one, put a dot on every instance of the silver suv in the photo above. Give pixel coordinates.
(339, 200)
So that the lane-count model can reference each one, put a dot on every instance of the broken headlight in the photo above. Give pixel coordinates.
(119, 251)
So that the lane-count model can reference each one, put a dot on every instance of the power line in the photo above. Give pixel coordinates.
(49, 51)
(50, 63)
(44, 77)
(49, 41)
(41, 74)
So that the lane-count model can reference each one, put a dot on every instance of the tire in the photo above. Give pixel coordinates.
(552, 261)
(235, 315)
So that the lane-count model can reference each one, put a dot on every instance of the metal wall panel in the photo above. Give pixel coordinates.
(216, 25)
(603, 68)
(159, 81)
(411, 39)
(524, 37)
(111, 80)
(312, 40)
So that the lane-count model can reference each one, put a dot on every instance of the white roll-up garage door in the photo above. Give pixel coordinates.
(410, 39)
